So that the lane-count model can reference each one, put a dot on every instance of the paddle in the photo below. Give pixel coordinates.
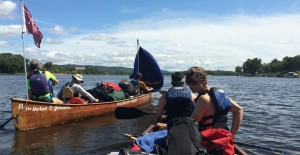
(2, 125)
(260, 147)
(129, 113)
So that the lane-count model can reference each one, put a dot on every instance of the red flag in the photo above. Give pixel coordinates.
(31, 27)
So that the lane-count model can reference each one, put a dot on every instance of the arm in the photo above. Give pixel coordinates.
(161, 106)
(59, 95)
(51, 78)
(85, 93)
(237, 117)
(143, 85)
(160, 110)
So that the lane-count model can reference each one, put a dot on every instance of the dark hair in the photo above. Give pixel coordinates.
(177, 79)
(138, 75)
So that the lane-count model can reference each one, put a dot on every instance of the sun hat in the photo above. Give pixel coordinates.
(78, 77)
(35, 65)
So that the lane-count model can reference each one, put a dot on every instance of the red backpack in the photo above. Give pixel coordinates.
(110, 87)
(218, 141)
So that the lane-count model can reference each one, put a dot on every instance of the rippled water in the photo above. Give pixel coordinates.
(271, 118)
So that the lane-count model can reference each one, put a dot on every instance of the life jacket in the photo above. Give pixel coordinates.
(68, 92)
(222, 106)
(39, 83)
(183, 137)
(178, 103)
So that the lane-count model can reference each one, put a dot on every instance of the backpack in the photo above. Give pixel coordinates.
(127, 87)
(183, 138)
(68, 91)
(136, 85)
(110, 87)
(218, 141)
(39, 84)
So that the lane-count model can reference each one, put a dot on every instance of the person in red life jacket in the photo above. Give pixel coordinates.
(211, 108)
(39, 83)
(76, 90)
(177, 102)
(139, 85)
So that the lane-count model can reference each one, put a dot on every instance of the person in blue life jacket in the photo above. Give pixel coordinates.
(177, 102)
(39, 83)
(205, 111)
(140, 86)
(77, 90)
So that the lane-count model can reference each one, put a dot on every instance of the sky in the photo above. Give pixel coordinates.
(213, 34)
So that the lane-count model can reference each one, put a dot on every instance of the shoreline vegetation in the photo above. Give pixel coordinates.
(252, 67)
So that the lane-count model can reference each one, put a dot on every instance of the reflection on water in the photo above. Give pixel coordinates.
(271, 118)
(64, 138)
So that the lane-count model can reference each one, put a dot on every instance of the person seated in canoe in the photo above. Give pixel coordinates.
(178, 101)
(72, 91)
(39, 83)
(139, 85)
(211, 108)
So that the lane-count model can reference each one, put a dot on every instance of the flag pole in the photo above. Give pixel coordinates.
(138, 56)
(22, 25)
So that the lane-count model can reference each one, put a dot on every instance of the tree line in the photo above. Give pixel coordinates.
(14, 64)
(277, 68)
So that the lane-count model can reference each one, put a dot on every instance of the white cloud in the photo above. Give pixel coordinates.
(51, 41)
(57, 30)
(10, 30)
(179, 43)
(4, 43)
(6, 9)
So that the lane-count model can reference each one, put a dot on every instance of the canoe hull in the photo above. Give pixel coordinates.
(34, 114)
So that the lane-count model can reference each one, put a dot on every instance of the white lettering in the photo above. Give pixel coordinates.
(50, 108)
(20, 106)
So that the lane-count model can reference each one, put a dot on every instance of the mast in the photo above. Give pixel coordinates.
(138, 56)
(22, 24)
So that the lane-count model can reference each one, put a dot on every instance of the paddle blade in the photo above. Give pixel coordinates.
(129, 113)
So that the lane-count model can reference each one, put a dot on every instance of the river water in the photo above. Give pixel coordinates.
(271, 118)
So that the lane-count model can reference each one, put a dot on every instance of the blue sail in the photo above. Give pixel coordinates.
(146, 64)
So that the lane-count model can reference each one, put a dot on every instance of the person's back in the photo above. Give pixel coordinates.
(178, 103)
(38, 83)
(207, 114)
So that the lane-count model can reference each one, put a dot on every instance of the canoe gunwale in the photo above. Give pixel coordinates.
(89, 104)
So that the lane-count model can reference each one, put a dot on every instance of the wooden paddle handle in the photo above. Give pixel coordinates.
(129, 136)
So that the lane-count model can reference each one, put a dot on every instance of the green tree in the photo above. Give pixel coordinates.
(239, 70)
(49, 66)
(251, 66)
